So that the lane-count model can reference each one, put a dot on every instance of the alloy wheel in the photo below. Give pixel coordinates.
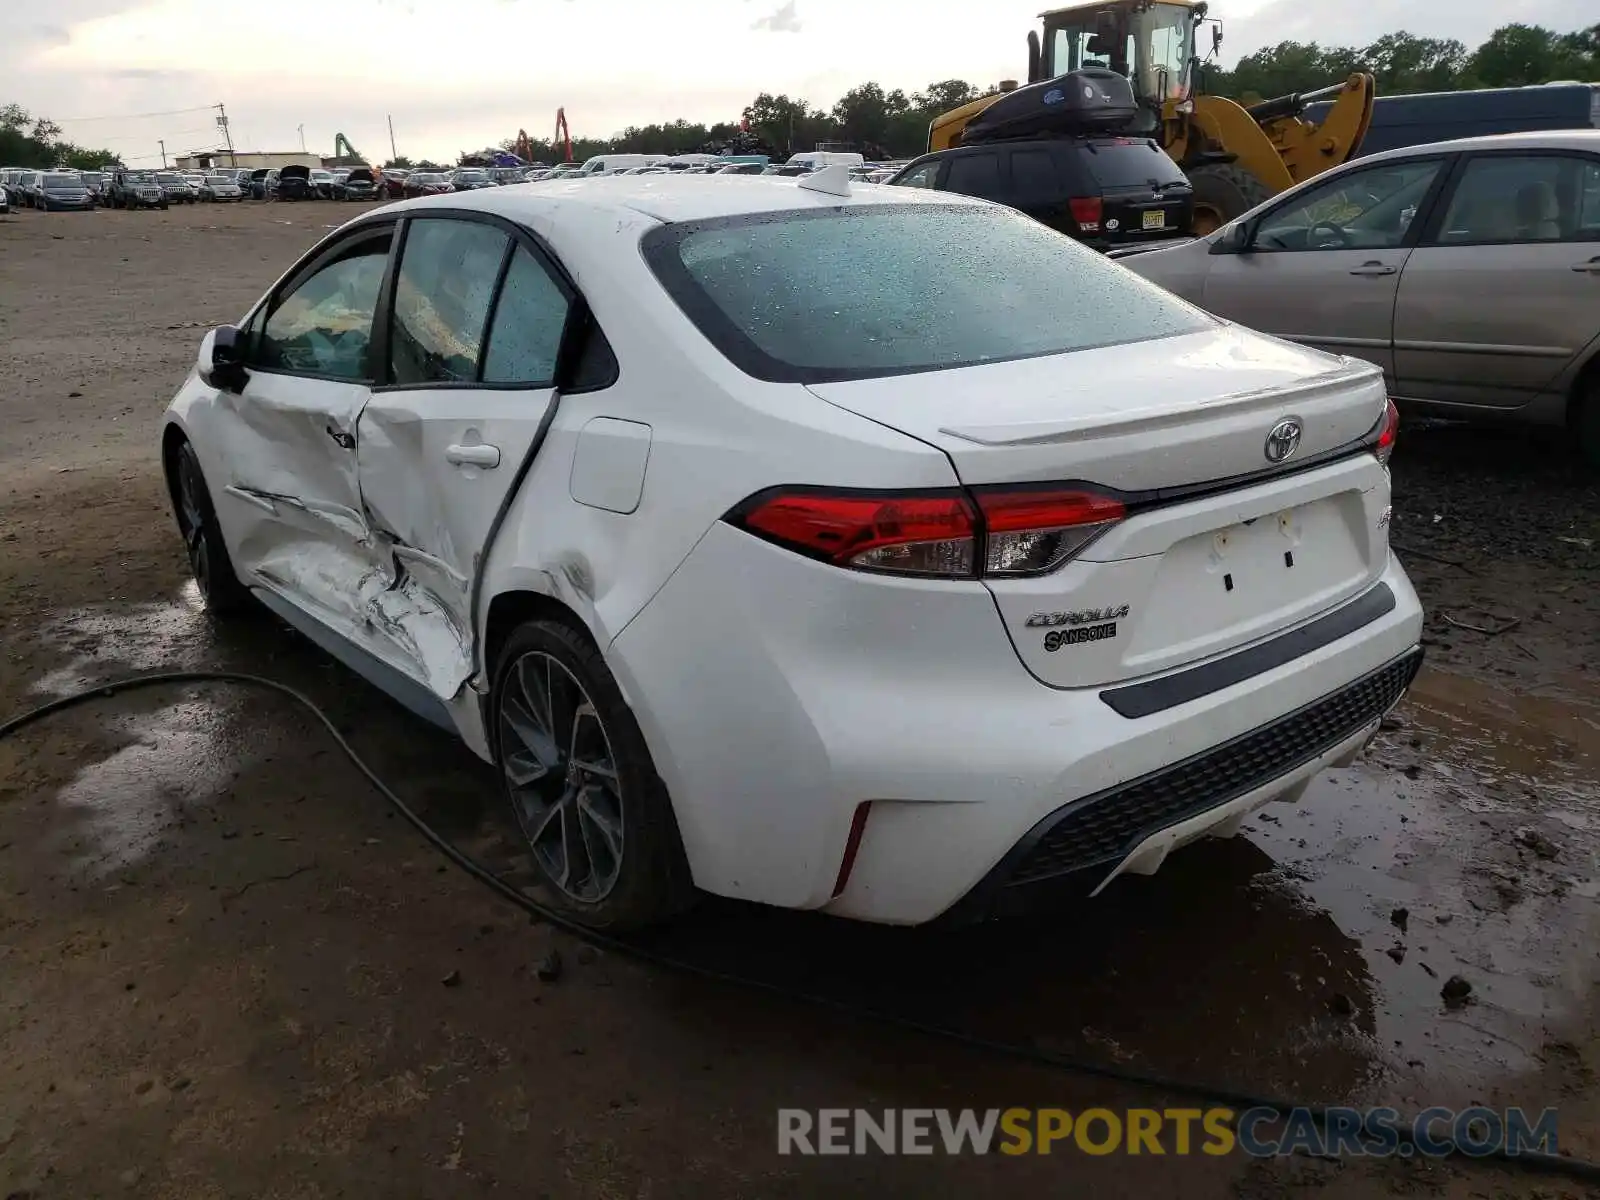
(562, 777)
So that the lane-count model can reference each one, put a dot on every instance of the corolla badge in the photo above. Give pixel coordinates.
(1283, 440)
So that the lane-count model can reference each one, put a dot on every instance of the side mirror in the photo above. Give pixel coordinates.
(221, 359)
(1238, 238)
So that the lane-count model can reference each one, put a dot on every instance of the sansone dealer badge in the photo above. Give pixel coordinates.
(1058, 638)
(1077, 627)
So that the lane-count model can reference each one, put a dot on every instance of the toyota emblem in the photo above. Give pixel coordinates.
(1283, 440)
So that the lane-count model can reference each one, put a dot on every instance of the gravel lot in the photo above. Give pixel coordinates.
(225, 970)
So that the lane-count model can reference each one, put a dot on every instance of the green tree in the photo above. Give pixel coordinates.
(30, 141)
(778, 120)
(1515, 55)
(1400, 62)
(866, 114)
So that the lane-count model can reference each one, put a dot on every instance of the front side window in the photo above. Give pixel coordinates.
(784, 295)
(1363, 210)
(447, 275)
(323, 326)
(1524, 198)
(528, 323)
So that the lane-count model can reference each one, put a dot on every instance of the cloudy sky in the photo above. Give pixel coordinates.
(459, 74)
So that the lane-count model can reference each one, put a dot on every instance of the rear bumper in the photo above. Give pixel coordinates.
(1132, 827)
(779, 695)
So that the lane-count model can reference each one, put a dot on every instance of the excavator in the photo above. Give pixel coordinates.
(1235, 156)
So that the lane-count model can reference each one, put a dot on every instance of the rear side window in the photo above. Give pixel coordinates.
(1035, 179)
(975, 175)
(1130, 163)
(849, 293)
(447, 274)
(528, 322)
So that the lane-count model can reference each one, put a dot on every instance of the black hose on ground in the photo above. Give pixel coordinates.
(1536, 1161)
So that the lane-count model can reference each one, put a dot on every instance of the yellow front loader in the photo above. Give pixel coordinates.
(1235, 156)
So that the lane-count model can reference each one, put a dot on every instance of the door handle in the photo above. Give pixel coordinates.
(347, 441)
(476, 455)
(1592, 266)
(1374, 268)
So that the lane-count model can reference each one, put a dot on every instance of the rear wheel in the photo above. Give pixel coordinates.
(1223, 191)
(209, 561)
(581, 783)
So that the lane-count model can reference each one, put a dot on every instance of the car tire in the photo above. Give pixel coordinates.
(581, 784)
(1223, 191)
(209, 561)
(1586, 419)
(164, 206)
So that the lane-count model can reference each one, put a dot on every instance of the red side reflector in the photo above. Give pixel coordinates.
(852, 844)
(1388, 432)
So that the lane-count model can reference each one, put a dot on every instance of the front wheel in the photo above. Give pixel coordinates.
(209, 561)
(1223, 191)
(574, 766)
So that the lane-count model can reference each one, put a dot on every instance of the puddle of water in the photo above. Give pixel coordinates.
(1500, 736)
(129, 638)
(125, 803)
(169, 759)
(1429, 823)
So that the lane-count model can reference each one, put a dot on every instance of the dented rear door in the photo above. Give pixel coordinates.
(473, 340)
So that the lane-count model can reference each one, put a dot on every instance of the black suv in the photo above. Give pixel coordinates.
(1106, 189)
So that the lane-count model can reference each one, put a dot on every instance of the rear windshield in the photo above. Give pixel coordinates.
(848, 293)
(1131, 162)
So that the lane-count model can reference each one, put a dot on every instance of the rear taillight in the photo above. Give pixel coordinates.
(1384, 433)
(907, 533)
(1031, 532)
(1086, 211)
(997, 532)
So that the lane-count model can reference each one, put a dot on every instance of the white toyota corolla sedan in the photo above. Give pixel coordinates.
(858, 550)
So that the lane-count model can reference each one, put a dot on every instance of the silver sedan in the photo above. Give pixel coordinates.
(1468, 270)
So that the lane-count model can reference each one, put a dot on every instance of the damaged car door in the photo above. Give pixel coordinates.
(473, 334)
(288, 433)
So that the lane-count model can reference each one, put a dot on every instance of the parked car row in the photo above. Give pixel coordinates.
(56, 190)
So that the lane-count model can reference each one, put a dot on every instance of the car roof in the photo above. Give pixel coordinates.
(671, 198)
(1542, 139)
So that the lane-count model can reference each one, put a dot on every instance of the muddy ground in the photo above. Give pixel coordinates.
(227, 971)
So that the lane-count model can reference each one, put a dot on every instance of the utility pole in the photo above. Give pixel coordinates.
(301, 130)
(163, 146)
(227, 133)
(393, 153)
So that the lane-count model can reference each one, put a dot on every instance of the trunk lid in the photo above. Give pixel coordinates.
(1211, 555)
